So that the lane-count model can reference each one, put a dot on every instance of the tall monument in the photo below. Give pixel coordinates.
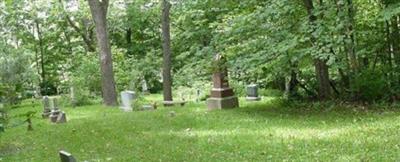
(222, 96)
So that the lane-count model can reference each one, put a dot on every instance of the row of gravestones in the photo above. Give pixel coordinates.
(52, 111)
(221, 96)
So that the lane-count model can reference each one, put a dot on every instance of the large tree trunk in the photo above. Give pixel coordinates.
(167, 78)
(42, 63)
(351, 50)
(99, 14)
(128, 37)
(396, 39)
(321, 68)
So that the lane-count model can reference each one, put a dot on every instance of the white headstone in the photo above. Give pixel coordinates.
(145, 88)
(127, 98)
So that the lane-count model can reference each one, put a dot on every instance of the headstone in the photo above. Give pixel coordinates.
(57, 116)
(198, 95)
(222, 96)
(61, 118)
(127, 98)
(46, 107)
(36, 92)
(73, 97)
(54, 115)
(66, 157)
(148, 107)
(252, 93)
(145, 88)
(54, 103)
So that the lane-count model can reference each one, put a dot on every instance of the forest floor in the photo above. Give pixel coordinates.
(257, 131)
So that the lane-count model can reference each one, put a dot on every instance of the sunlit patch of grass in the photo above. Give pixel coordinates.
(257, 131)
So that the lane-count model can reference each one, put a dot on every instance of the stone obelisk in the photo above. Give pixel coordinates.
(222, 96)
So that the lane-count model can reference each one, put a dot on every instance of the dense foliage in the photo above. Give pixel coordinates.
(286, 45)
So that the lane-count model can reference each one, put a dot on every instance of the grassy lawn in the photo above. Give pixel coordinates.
(261, 131)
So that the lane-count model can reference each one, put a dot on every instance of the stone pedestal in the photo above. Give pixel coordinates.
(54, 115)
(57, 116)
(62, 118)
(222, 103)
(252, 93)
(127, 98)
(222, 96)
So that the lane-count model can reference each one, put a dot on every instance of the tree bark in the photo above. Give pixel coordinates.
(43, 71)
(85, 37)
(351, 50)
(128, 36)
(321, 68)
(396, 40)
(99, 14)
(167, 61)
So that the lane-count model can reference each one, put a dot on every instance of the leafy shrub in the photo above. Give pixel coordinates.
(270, 92)
(239, 87)
(370, 85)
(189, 92)
(3, 117)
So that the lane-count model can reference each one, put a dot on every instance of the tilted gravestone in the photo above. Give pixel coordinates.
(57, 116)
(66, 157)
(46, 107)
(127, 99)
(222, 96)
(62, 118)
(252, 93)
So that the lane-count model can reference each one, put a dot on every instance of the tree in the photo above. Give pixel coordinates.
(167, 61)
(321, 68)
(99, 14)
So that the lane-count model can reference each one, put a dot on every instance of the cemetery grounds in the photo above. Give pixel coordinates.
(269, 130)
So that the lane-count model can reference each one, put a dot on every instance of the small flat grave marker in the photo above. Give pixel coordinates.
(66, 157)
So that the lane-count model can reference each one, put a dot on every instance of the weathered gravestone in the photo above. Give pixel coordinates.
(2, 116)
(222, 96)
(198, 95)
(148, 107)
(57, 116)
(127, 98)
(62, 118)
(252, 93)
(66, 157)
(54, 103)
(145, 88)
(46, 107)
(72, 96)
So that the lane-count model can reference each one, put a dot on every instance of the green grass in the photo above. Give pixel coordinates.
(263, 131)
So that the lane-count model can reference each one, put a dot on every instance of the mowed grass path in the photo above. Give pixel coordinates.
(262, 131)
